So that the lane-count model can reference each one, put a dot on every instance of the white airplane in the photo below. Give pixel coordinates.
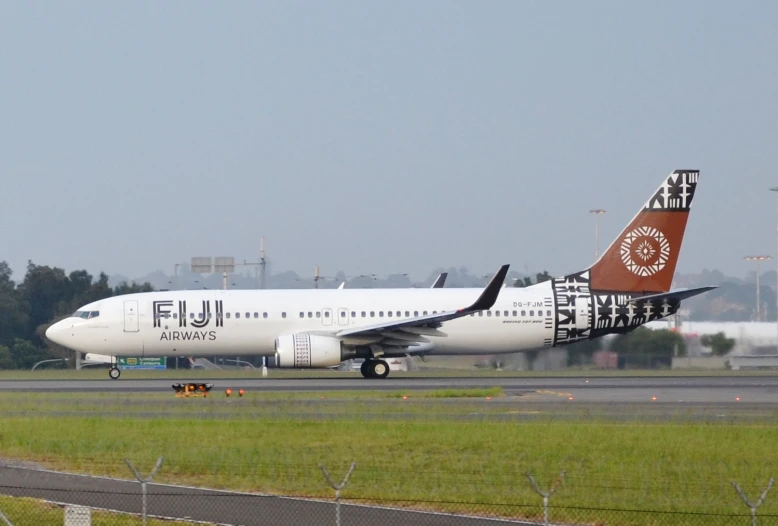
(628, 286)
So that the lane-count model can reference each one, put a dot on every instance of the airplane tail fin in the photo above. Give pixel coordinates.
(644, 255)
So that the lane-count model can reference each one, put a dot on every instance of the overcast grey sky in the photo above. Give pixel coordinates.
(380, 137)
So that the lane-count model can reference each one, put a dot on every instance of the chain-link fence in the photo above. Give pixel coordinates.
(31, 497)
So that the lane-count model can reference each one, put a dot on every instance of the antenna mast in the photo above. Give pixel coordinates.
(262, 262)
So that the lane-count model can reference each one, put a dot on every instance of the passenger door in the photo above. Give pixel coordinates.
(131, 316)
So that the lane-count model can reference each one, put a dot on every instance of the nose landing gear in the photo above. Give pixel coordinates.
(114, 373)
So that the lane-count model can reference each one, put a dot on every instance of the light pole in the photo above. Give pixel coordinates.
(597, 213)
(758, 260)
(775, 189)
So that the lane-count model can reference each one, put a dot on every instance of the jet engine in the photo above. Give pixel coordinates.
(303, 350)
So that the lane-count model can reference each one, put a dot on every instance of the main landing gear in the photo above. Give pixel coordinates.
(374, 369)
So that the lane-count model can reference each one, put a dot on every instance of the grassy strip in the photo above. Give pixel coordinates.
(22, 511)
(666, 467)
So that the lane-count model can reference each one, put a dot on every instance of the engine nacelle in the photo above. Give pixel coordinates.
(303, 350)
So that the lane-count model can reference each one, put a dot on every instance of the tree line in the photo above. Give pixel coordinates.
(45, 296)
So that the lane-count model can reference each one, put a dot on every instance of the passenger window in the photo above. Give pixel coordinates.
(496, 313)
(364, 314)
(488, 313)
(523, 313)
(481, 313)
(283, 315)
(389, 313)
(515, 313)
(372, 314)
(407, 314)
(548, 313)
(175, 315)
(505, 313)
(248, 315)
(425, 312)
(318, 314)
(532, 313)
(191, 315)
(342, 314)
(327, 314)
(415, 313)
(264, 314)
(353, 314)
(256, 315)
(228, 315)
(380, 314)
(237, 315)
(302, 315)
(310, 314)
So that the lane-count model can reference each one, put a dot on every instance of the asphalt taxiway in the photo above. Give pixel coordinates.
(212, 506)
(691, 389)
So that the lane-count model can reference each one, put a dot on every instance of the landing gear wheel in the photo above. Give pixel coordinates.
(365, 369)
(114, 373)
(379, 369)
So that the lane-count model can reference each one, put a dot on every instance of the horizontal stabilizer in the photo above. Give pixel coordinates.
(680, 294)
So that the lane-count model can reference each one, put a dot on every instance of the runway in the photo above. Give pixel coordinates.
(696, 389)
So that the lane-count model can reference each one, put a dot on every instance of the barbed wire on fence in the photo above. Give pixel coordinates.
(754, 505)
(338, 488)
(190, 505)
(546, 494)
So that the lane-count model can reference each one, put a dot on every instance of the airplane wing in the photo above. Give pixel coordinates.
(440, 281)
(410, 331)
(680, 294)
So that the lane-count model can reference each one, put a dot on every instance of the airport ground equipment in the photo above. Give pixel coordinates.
(190, 389)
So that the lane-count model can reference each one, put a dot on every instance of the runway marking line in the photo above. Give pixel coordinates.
(555, 393)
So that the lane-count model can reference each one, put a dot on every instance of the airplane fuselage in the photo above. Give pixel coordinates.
(248, 322)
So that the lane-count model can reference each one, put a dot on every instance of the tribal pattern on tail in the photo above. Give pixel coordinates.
(676, 193)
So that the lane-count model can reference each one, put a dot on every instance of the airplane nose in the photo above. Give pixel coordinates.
(55, 332)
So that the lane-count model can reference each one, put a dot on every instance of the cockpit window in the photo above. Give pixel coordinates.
(85, 314)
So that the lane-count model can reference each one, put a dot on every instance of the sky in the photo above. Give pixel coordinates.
(380, 137)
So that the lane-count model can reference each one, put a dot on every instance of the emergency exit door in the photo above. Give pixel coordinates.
(131, 316)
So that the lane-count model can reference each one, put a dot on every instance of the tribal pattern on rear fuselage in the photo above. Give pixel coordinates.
(583, 314)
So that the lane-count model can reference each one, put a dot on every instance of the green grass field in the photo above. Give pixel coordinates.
(441, 458)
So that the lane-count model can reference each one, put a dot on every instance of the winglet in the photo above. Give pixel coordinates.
(440, 281)
(489, 296)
